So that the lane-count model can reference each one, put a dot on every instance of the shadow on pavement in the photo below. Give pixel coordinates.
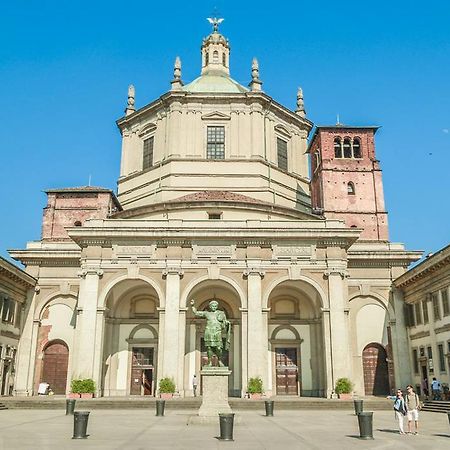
(388, 430)
(442, 435)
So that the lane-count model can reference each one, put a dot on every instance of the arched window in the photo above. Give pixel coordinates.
(337, 148)
(356, 148)
(206, 59)
(215, 56)
(347, 148)
(350, 188)
(77, 224)
(224, 59)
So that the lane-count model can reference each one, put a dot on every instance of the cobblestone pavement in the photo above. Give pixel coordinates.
(140, 429)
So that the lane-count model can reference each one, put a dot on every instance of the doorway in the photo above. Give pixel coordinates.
(375, 369)
(286, 371)
(55, 363)
(142, 371)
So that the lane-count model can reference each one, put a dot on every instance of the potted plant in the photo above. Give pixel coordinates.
(166, 388)
(84, 388)
(344, 388)
(75, 389)
(255, 388)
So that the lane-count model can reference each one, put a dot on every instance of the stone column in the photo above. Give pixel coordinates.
(98, 351)
(340, 349)
(86, 335)
(256, 328)
(171, 317)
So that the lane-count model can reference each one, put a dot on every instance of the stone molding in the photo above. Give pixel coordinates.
(90, 271)
(336, 271)
(173, 271)
(253, 271)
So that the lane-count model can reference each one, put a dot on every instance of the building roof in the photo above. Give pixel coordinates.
(79, 189)
(15, 273)
(214, 83)
(425, 267)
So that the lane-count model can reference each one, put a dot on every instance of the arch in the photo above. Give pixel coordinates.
(350, 188)
(347, 147)
(321, 294)
(69, 299)
(215, 56)
(337, 147)
(375, 369)
(357, 148)
(54, 365)
(188, 289)
(107, 289)
(377, 299)
(273, 336)
(142, 326)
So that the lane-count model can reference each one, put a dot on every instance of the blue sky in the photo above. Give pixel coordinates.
(65, 68)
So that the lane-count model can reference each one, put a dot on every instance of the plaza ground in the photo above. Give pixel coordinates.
(141, 429)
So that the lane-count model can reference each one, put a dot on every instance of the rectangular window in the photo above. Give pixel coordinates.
(215, 143)
(8, 310)
(418, 311)
(441, 358)
(436, 308)
(425, 311)
(430, 359)
(415, 361)
(282, 154)
(147, 160)
(445, 304)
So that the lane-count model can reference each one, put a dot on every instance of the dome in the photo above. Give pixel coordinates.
(212, 83)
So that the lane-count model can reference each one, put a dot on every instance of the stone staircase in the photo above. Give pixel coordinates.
(190, 403)
(3, 406)
(437, 406)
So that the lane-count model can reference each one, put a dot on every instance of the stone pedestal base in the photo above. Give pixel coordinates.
(215, 392)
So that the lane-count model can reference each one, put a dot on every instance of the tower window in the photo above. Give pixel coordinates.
(206, 58)
(356, 148)
(224, 59)
(215, 56)
(350, 188)
(337, 148)
(215, 146)
(282, 154)
(347, 148)
(147, 160)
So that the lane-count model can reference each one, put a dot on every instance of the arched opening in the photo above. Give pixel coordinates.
(224, 59)
(350, 188)
(347, 148)
(296, 340)
(131, 339)
(215, 56)
(337, 148)
(195, 354)
(356, 148)
(375, 369)
(54, 366)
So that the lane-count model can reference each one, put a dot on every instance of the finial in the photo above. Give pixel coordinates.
(215, 22)
(130, 102)
(338, 122)
(176, 82)
(255, 84)
(300, 103)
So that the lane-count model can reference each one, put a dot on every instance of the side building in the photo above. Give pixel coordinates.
(16, 292)
(426, 293)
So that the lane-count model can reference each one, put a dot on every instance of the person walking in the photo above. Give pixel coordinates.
(194, 384)
(399, 409)
(436, 389)
(412, 409)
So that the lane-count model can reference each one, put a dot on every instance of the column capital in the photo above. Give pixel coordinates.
(336, 271)
(90, 271)
(173, 271)
(253, 271)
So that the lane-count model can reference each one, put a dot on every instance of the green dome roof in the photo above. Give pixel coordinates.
(214, 83)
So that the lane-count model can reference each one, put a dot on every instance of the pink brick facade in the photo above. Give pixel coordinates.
(330, 178)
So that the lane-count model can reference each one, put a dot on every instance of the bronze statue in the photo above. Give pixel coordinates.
(216, 322)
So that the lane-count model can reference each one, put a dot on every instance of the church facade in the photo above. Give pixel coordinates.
(215, 201)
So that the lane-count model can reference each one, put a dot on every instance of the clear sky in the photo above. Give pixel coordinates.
(65, 68)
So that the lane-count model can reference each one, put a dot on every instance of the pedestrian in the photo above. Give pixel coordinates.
(436, 389)
(194, 384)
(425, 388)
(399, 409)
(413, 406)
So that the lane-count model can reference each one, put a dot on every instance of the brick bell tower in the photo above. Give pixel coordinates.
(346, 178)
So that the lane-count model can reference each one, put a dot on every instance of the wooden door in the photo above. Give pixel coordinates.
(375, 368)
(286, 371)
(141, 382)
(54, 370)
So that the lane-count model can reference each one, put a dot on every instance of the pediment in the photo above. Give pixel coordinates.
(216, 115)
(146, 129)
(283, 130)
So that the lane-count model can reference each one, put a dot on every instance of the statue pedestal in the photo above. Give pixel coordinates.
(215, 392)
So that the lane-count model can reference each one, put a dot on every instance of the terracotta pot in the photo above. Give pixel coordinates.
(87, 395)
(166, 395)
(256, 396)
(73, 395)
(345, 396)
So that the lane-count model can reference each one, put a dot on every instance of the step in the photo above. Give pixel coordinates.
(437, 406)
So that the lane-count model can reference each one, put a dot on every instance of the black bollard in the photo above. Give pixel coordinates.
(269, 407)
(70, 406)
(358, 406)
(160, 404)
(365, 422)
(226, 426)
(80, 422)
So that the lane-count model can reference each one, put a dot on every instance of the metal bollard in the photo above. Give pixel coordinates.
(80, 422)
(160, 404)
(226, 426)
(70, 406)
(365, 422)
(269, 407)
(358, 404)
